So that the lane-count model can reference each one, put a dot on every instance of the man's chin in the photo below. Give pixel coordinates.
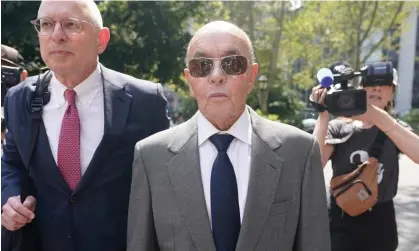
(62, 67)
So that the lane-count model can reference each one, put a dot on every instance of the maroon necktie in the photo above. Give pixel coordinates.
(69, 142)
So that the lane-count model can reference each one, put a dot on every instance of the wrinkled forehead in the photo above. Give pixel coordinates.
(63, 9)
(217, 45)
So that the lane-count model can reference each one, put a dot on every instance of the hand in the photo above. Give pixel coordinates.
(368, 116)
(318, 94)
(15, 214)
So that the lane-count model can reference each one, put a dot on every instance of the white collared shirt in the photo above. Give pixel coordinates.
(239, 153)
(90, 106)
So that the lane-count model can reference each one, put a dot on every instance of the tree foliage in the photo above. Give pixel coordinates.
(148, 38)
(322, 33)
(16, 29)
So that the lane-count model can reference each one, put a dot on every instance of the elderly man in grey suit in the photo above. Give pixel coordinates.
(227, 179)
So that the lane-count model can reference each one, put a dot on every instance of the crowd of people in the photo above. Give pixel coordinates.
(90, 161)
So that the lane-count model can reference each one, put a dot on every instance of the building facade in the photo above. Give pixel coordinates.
(407, 96)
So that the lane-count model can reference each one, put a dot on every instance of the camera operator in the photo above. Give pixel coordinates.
(12, 73)
(346, 142)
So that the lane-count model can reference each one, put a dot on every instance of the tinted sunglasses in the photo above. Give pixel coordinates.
(231, 65)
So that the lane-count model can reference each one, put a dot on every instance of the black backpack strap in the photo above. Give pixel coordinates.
(38, 101)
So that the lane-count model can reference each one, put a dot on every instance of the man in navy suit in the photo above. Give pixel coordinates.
(80, 168)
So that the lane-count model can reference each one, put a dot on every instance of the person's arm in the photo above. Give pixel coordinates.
(161, 118)
(320, 130)
(313, 226)
(404, 139)
(15, 214)
(141, 233)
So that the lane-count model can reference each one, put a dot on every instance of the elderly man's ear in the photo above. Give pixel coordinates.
(255, 70)
(103, 39)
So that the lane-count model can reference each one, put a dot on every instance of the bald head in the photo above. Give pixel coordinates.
(88, 9)
(217, 27)
(71, 51)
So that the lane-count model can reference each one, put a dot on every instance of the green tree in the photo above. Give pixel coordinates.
(148, 39)
(17, 31)
(412, 119)
(323, 32)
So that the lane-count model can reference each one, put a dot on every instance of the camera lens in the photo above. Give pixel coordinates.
(346, 101)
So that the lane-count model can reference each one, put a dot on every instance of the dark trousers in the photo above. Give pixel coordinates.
(374, 230)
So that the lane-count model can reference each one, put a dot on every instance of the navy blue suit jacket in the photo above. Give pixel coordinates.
(93, 217)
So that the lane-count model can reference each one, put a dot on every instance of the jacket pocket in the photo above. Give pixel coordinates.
(282, 207)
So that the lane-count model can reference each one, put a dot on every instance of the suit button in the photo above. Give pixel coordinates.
(73, 200)
(69, 236)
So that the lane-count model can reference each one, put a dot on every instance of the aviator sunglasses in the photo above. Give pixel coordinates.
(231, 65)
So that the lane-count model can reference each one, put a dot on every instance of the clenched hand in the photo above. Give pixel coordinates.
(17, 214)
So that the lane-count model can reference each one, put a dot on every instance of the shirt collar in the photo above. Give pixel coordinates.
(86, 90)
(241, 129)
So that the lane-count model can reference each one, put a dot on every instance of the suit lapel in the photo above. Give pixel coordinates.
(117, 104)
(116, 108)
(185, 176)
(266, 168)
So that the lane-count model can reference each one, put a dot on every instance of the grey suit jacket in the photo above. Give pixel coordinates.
(286, 203)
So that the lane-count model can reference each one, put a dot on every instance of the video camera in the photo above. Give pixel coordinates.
(343, 97)
(10, 75)
(11, 69)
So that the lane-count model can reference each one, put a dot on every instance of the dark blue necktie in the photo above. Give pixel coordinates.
(225, 212)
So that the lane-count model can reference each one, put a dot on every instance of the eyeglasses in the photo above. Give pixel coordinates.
(231, 65)
(71, 26)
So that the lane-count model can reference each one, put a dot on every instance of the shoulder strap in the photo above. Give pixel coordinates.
(378, 144)
(41, 90)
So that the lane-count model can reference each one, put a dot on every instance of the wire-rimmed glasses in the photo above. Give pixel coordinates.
(71, 26)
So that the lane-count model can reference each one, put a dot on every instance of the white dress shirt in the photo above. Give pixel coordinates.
(90, 106)
(239, 153)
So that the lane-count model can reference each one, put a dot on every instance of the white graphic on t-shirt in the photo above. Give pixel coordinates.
(364, 156)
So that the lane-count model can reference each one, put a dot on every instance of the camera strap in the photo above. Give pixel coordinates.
(317, 107)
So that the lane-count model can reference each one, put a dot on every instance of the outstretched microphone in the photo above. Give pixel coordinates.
(325, 77)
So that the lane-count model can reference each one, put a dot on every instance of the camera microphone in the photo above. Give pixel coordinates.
(325, 77)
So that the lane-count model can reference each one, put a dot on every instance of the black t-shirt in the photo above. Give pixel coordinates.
(352, 145)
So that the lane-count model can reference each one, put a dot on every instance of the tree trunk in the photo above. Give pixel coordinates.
(251, 24)
(264, 94)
